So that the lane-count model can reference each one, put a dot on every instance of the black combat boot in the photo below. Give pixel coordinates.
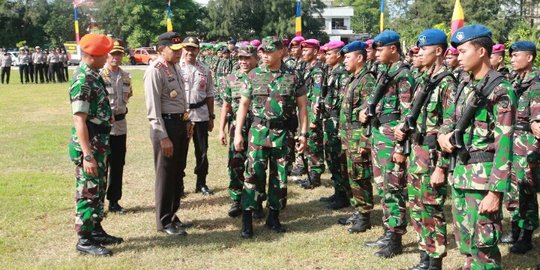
(298, 171)
(247, 224)
(87, 245)
(381, 241)
(235, 209)
(115, 207)
(435, 263)
(361, 225)
(258, 213)
(349, 220)
(341, 201)
(272, 222)
(513, 235)
(329, 199)
(393, 248)
(100, 236)
(524, 243)
(313, 183)
(424, 262)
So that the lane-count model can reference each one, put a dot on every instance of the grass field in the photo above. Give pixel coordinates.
(37, 209)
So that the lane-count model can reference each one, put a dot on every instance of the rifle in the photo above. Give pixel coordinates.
(378, 95)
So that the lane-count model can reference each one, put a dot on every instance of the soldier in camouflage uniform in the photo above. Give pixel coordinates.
(356, 145)
(271, 94)
(314, 78)
(526, 159)
(371, 62)
(483, 146)
(231, 100)
(427, 168)
(89, 145)
(223, 68)
(394, 88)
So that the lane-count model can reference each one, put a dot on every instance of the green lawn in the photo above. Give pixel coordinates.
(37, 209)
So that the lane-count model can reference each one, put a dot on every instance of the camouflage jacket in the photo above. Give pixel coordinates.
(528, 92)
(336, 81)
(88, 95)
(314, 78)
(492, 130)
(273, 100)
(231, 90)
(357, 91)
(224, 67)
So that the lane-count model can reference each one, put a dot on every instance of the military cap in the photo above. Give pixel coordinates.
(369, 43)
(334, 44)
(522, 46)
(96, 44)
(310, 43)
(218, 47)
(386, 38)
(431, 37)
(171, 40)
(223, 49)
(117, 47)
(451, 51)
(498, 48)
(468, 33)
(37, 47)
(255, 43)
(191, 42)
(271, 44)
(244, 43)
(414, 50)
(247, 51)
(296, 41)
(232, 42)
(353, 46)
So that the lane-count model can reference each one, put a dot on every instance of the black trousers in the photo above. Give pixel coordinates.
(66, 73)
(46, 72)
(117, 159)
(200, 141)
(6, 71)
(38, 69)
(31, 71)
(170, 172)
(23, 70)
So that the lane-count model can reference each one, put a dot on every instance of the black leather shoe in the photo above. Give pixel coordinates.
(298, 171)
(181, 225)
(104, 238)
(247, 224)
(393, 246)
(114, 207)
(424, 262)
(513, 235)
(349, 220)
(87, 245)
(235, 209)
(435, 263)
(173, 230)
(362, 224)
(328, 199)
(313, 183)
(272, 222)
(381, 241)
(524, 243)
(204, 190)
(341, 201)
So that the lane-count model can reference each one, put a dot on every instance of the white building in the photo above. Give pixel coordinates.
(337, 21)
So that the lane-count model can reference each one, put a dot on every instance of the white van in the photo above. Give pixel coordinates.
(14, 58)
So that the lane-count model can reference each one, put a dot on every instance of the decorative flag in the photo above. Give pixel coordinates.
(76, 17)
(381, 20)
(298, 18)
(458, 20)
(169, 21)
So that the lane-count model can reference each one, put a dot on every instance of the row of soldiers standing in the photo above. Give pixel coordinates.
(413, 132)
(36, 66)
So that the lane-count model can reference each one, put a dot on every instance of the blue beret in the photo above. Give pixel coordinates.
(431, 37)
(388, 37)
(353, 46)
(519, 46)
(468, 33)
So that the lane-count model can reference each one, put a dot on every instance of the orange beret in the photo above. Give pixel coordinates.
(96, 45)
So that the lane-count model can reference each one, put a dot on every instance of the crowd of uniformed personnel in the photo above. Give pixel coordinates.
(435, 121)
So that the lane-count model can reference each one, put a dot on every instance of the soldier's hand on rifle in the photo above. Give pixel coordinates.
(166, 147)
(444, 142)
(535, 128)
(222, 137)
(362, 116)
(490, 203)
(238, 143)
(399, 158)
(437, 177)
(398, 134)
(301, 144)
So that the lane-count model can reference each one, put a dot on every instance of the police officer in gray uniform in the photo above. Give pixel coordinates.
(24, 61)
(5, 65)
(39, 59)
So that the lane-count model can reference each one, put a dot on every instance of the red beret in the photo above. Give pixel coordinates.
(498, 48)
(96, 45)
(311, 43)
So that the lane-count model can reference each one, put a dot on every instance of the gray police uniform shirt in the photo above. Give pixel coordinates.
(118, 85)
(5, 60)
(199, 85)
(24, 59)
(53, 58)
(164, 93)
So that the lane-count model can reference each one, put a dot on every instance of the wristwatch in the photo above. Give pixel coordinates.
(88, 157)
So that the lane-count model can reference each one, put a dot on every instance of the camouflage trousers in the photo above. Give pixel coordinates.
(90, 194)
(360, 172)
(315, 153)
(255, 178)
(526, 174)
(390, 180)
(426, 204)
(477, 235)
(236, 166)
(332, 151)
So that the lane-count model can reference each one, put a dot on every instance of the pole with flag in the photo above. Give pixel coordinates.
(458, 20)
(76, 18)
(169, 21)
(381, 19)
(298, 26)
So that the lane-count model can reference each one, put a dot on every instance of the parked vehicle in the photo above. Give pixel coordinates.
(14, 57)
(142, 55)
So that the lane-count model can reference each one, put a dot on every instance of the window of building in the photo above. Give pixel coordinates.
(338, 23)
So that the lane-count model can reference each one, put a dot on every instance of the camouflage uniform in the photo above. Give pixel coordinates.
(88, 95)
(477, 235)
(314, 77)
(425, 201)
(359, 167)
(273, 101)
(390, 178)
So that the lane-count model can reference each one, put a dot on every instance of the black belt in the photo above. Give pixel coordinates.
(173, 116)
(429, 140)
(119, 117)
(94, 129)
(269, 123)
(480, 157)
(524, 126)
(198, 104)
(387, 118)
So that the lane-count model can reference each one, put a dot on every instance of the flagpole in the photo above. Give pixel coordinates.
(381, 19)
(169, 21)
(298, 26)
